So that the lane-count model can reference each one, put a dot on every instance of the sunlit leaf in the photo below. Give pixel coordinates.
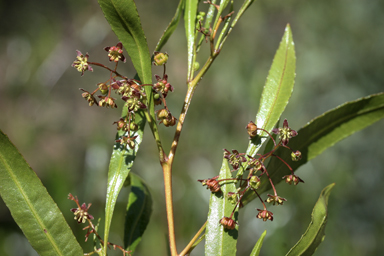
(32, 207)
(277, 90)
(315, 233)
(119, 167)
(124, 20)
(324, 131)
(257, 248)
(219, 241)
(190, 13)
(171, 26)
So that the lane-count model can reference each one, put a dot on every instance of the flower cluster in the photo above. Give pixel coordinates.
(249, 172)
(130, 90)
(82, 216)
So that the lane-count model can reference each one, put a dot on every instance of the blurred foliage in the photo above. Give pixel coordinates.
(340, 57)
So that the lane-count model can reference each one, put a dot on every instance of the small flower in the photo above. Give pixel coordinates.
(292, 178)
(286, 132)
(254, 182)
(211, 184)
(265, 215)
(275, 199)
(296, 155)
(251, 129)
(165, 117)
(89, 97)
(162, 86)
(228, 223)
(81, 212)
(254, 164)
(160, 58)
(107, 102)
(103, 88)
(115, 53)
(121, 124)
(235, 159)
(169, 121)
(81, 63)
(133, 103)
(130, 141)
(233, 197)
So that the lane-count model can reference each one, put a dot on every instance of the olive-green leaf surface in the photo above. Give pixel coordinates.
(315, 233)
(277, 90)
(119, 167)
(171, 26)
(124, 20)
(32, 207)
(323, 132)
(257, 248)
(190, 13)
(219, 241)
(223, 4)
(138, 213)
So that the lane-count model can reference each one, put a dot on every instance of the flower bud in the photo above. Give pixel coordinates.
(296, 156)
(254, 182)
(228, 223)
(196, 66)
(133, 126)
(103, 88)
(160, 58)
(251, 129)
(162, 114)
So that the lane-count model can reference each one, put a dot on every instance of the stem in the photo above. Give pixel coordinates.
(192, 85)
(189, 246)
(103, 66)
(167, 171)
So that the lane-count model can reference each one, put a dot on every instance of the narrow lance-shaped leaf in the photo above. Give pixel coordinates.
(119, 167)
(257, 248)
(220, 241)
(171, 26)
(224, 31)
(315, 233)
(139, 211)
(323, 132)
(222, 5)
(31, 206)
(190, 12)
(277, 90)
(124, 19)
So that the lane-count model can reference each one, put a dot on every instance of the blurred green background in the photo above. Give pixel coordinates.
(340, 57)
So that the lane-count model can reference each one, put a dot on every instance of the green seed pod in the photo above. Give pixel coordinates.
(196, 66)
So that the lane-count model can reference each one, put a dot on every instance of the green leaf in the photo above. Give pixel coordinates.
(257, 248)
(171, 26)
(323, 132)
(190, 14)
(219, 241)
(315, 233)
(222, 5)
(277, 90)
(124, 20)
(224, 31)
(139, 211)
(119, 167)
(31, 206)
